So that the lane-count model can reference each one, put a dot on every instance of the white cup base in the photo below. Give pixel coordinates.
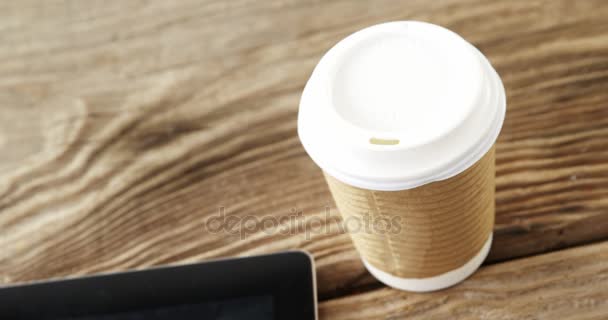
(441, 281)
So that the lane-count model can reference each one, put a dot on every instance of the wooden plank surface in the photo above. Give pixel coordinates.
(567, 284)
(125, 126)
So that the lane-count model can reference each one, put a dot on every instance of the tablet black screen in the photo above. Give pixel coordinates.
(254, 308)
(275, 286)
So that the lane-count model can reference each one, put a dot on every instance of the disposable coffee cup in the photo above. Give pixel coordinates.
(402, 118)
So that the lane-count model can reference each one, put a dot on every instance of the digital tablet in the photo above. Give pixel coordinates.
(267, 287)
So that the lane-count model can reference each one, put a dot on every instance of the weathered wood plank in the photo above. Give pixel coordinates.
(126, 125)
(567, 284)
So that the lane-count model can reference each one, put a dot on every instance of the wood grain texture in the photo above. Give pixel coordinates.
(126, 125)
(568, 284)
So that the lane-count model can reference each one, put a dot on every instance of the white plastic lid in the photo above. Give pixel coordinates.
(400, 104)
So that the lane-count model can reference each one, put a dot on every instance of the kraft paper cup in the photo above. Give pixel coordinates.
(402, 118)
